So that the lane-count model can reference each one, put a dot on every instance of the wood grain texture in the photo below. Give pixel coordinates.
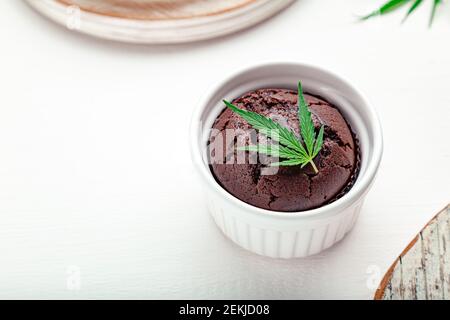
(158, 9)
(422, 272)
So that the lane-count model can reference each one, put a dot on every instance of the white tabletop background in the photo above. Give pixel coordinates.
(99, 199)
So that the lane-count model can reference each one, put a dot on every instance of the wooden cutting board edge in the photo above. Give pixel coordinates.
(382, 287)
(135, 17)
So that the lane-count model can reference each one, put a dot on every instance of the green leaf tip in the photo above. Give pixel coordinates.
(392, 5)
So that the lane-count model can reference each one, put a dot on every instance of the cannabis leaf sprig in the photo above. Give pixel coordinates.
(296, 151)
(395, 4)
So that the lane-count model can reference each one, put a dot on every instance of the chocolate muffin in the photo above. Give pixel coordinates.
(288, 188)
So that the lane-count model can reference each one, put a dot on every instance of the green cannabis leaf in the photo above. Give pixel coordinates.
(433, 10)
(395, 4)
(385, 8)
(296, 151)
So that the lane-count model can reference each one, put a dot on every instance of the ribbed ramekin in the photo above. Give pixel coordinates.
(288, 234)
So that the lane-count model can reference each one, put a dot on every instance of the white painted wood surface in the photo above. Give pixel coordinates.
(422, 271)
(82, 192)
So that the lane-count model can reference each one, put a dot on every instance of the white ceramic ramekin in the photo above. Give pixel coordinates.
(288, 234)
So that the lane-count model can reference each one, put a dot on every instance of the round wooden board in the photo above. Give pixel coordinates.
(158, 21)
(422, 271)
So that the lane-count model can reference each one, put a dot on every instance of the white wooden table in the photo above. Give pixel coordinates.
(92, 205)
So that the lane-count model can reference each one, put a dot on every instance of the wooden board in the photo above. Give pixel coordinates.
(158, 9)
(158, 21)
(422, 272)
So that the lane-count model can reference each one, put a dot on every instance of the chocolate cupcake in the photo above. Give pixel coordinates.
(293, 188)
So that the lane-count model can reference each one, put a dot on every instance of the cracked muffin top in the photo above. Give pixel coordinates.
(284, 189)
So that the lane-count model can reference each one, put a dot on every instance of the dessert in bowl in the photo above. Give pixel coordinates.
(290, 188)
(283, 208)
